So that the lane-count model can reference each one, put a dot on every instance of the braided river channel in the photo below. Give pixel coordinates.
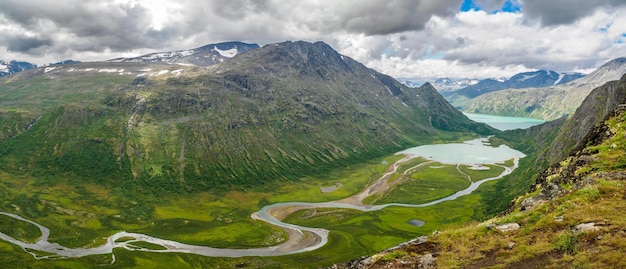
(301, 239)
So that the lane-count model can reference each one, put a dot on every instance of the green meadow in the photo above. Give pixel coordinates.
(86, 214)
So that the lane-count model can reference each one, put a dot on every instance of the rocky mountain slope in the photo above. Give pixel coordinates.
(203, 56)
(569, 219)
(546, 103)
(275, 113)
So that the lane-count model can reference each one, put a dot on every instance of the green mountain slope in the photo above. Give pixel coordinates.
(548, 103)
(276, 113)
(570, 218)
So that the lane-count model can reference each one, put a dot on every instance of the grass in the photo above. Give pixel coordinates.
(146, 245)
(18, 229)
(548, 237)
(432, 182)
(80, 213)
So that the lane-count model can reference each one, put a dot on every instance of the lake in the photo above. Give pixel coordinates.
(476, 151)
(504, 123)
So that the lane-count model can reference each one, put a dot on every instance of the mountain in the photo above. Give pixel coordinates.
(10, 67)
(547, 103)
(202, 56)
(566, 220)
(596, 107)
(441, 84)
(66, 62)
(535, 79)
(272, 114)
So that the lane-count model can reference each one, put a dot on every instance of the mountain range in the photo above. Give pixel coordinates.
(441, 84)
(547, 103)
(268, 114)
(535, 79)
(451, 87)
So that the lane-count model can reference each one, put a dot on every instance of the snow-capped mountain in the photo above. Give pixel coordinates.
(441, 84)
(534, 79)
(10, 67)
(547, 103)
(206, 55)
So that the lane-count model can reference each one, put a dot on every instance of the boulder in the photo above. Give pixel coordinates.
(507, 227)
(427, 261)
(587, 227)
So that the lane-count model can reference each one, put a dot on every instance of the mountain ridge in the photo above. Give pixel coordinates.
(255, 108)
(548, 103)
(206, 55)
(13, 66)
(534, 79)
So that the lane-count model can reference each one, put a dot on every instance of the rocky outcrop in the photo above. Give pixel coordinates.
(597, 107)
(417, 253)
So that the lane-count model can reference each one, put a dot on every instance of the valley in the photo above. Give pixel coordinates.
(287, 155)
(410, 168)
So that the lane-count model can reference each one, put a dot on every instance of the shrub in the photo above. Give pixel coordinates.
(566, 243)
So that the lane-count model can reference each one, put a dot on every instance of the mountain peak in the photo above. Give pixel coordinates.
(202, 56)
(611, 70)
(13, 66)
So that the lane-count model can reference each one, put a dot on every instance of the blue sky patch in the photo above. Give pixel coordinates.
(508, 6)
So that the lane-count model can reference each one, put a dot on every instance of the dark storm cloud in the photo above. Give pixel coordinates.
(385, 16)
(26, 44)
(556, 12)
(103, 23)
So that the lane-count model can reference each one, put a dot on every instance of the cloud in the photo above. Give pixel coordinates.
(386, 17)
(26, 44)
(557, 12)
(480, 44)
(409, 38)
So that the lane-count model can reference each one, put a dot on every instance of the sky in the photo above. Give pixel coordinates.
(402, 38)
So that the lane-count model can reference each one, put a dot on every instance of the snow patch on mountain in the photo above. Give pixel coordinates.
(227, 53)
(561, 76)
(527, 77)
(203, 56)
(10, 67)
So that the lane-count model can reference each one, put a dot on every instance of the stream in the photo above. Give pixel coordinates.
(301, 239)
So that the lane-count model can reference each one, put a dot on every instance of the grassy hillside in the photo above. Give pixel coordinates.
(571, 216)
(269, 115)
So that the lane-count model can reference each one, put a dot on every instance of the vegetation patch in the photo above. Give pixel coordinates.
(18, 229)
(145, 245)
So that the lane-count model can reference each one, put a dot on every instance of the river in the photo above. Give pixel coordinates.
(301, 239)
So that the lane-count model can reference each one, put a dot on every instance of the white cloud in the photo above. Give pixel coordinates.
(408, 38)
(478, 44)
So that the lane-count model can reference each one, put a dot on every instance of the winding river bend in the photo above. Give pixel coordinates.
(301, 239)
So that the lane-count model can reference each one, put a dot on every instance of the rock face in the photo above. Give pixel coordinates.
(583, 128)
(599, 104)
